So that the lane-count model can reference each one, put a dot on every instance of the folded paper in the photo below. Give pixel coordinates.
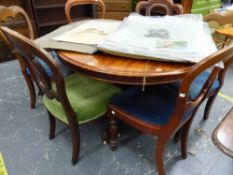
(184, 38)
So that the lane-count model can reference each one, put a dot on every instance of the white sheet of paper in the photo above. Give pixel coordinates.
(90, 33)
(183, 38)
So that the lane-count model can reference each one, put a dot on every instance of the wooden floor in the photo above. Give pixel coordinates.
(27, 150)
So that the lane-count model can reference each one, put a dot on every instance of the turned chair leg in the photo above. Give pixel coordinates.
(76, 144)
(159, 155)
(208, 106)
(113, 132)
(184, 136)
(31, 90)
(52, 125)
(105, 136)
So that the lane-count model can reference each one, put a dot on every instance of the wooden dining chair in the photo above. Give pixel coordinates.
(74, 100)
(71, 3)
(7, 14)
(223, 134)
(14, 12)
(198, 82)
(161, 111)
(223, 35)
(164, 7)
(211, 96)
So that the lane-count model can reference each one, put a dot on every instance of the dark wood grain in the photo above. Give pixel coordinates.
(223, 134)
(123, 70)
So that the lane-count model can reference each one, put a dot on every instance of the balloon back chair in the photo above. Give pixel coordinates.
(221, 19)
(74, 100)
(14, 12)
(165, 7)
(211, 96)
(72, 3)
(223, 35)
(161, 111)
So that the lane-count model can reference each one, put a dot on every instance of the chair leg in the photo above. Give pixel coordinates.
(177, 136)
(105, 136)
(52, 125)
(184, 136)
(40, 91)
(159, 155)
(76, 144)
(225, 42)
(208, 106)
(113, 132)
(31, 90)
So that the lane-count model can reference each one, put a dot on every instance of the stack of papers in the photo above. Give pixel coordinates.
(182, 38)
(91, 32)
(80, 36)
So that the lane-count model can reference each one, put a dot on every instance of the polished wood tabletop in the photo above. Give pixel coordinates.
(122, 70)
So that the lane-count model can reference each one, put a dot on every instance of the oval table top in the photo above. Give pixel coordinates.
(122, 70)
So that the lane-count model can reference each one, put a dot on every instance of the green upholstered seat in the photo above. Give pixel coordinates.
(88, 97)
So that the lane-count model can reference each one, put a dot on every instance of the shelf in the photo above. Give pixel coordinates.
(51, 14)
(41, 7)
(53, 23)
(60, 22)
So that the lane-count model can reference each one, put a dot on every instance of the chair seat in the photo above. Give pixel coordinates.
(88, 97)
(64, 69)
(154, 105)
(197, 85)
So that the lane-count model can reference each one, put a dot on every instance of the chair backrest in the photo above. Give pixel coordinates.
(71, 3)
(224, 23)
(166, 7)
(7, 13)
(13, 12)
(52, 86)
(184, 104)
(221, 19)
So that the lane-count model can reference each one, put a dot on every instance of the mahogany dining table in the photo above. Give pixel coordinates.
(123, 70)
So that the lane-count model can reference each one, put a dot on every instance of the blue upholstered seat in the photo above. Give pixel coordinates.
(196, 85)
(155, 105)
(65, 70)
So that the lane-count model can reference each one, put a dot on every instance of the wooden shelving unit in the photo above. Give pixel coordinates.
(49, 15)
(50, 6)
